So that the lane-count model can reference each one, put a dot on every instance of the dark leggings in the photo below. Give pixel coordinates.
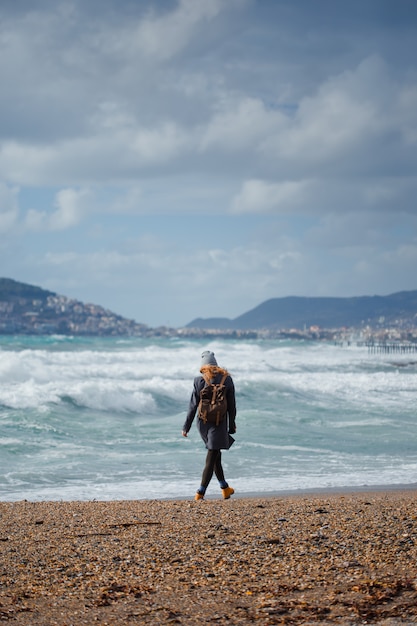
(213, 464)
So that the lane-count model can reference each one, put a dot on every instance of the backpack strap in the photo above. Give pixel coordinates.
(221, 383)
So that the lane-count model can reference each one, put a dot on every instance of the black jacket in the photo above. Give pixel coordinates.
(214, 437)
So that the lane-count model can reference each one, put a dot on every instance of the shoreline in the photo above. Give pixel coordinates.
(215, 495)
(339, 557)
(313, 491)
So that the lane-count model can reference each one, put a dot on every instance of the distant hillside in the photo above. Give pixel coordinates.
(31, 310)
(300, 312)
(11, 289)
(27, 309)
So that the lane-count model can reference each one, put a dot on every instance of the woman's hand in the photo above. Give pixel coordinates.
(184, 434)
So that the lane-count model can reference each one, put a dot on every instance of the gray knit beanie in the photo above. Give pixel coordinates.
(208, 358)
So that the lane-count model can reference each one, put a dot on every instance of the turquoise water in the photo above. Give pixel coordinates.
(101, 418)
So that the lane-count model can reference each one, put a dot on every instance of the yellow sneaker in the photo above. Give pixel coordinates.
(227, 492)
(199, 496)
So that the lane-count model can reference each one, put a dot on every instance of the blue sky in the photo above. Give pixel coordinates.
(192, 158)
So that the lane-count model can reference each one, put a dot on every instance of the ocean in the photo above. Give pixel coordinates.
(101, 418)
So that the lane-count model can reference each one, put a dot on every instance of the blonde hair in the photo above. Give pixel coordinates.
(210, 371)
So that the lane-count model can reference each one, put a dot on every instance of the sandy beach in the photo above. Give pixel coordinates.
(339, 558)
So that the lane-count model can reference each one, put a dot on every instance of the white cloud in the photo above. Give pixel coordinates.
(26, 163)
(241, 124)
(159, 144)
(354, 117)
(96, 263)
(116, 155)
(258, 196)
(71, 206)
(9, 207)
(162, 36)
(407, 112)
(35, 220)
(329, 196)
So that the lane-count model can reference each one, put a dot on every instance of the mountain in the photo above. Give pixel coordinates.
(27, 309)
(300, 312)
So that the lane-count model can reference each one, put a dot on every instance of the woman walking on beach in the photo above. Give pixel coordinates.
(215, 434)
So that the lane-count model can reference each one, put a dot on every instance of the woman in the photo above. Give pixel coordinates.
(215, 436)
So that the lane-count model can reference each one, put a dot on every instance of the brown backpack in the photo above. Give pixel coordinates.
(212, 407)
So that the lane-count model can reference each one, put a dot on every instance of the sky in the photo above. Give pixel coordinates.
(175, 159)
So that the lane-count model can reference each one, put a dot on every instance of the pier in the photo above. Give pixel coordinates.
(391, 348)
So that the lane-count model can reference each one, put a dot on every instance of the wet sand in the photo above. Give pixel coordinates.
(334, 558)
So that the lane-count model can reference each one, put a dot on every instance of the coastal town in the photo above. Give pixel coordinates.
(56, 314)
(44, 313)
